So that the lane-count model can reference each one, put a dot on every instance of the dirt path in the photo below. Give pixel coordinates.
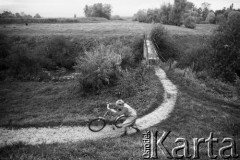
(72, 134)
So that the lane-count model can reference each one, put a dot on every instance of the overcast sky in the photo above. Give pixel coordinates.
(67, 8)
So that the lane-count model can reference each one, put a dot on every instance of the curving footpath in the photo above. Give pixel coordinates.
(73, 134)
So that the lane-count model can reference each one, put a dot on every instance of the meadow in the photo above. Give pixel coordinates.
(50, 103)
(112, 28)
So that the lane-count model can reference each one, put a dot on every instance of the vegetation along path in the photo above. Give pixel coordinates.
(72, 134)
(63, 134)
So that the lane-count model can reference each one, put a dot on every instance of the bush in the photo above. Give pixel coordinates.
(4, 51)
(163, 42)
(141, 16)
(61, 52)
(98, 68)
(196, 58)
(220, 19)
(130, 80)
(189, 22)
(22, 64)
(116, 17)
(211, 18)
(133, 54)
(226, 45)
(237, 84)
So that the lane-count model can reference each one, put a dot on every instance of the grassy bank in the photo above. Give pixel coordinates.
(193, 117)
(26, 104)
(202, 106)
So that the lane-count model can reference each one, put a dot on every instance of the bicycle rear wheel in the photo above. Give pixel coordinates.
(97, 125)
(119, 121)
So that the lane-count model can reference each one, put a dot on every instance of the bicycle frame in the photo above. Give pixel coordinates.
(105, 114)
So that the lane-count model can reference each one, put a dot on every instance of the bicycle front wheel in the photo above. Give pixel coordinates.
(119, 121)
(97, 125)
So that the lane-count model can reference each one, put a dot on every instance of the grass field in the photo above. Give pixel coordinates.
(36, 104)
(113, 28)
(195, 115)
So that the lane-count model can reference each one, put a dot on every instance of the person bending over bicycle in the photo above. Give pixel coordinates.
(128, 111)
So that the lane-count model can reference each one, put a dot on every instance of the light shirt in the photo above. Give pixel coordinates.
(130, 111)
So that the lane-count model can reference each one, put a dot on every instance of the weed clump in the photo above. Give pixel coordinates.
(98, 68)
(115, 64)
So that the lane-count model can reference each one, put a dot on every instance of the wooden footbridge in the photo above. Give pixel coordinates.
(151, 55)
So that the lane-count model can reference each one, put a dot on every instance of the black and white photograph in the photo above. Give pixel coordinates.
(119, 79)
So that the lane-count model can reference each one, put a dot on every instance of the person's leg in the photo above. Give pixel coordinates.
(134, 126)
(127, 123)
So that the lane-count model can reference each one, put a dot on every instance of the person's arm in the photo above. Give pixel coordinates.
(112, 110)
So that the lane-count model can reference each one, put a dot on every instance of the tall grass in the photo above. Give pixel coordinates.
(110, 65)
(98, 68)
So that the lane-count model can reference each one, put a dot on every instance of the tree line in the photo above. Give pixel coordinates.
(9, 14)
(183, 12)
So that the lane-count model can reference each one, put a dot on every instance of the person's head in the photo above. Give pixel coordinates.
(120, 103)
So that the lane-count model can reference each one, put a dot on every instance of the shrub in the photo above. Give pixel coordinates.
(22, 64)
(141, 16)
(220, 19)
(226, 45)
(98, 68)
(163, 42)
(197, 58)
(130, 80)
(116, 17)
(211, 18)
(4, 51)
(237, 84)
(198, 20)
(133, 54)
(61, 52)
(189, 22)
(42, 55)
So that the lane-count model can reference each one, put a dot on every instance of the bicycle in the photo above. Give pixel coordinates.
(99, 123)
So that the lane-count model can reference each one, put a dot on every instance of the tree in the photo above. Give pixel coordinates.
(37, 16)
(165, 12)
(153, 15)
(220, 18)
(211, 18)
(189, 6)
(189, 22)
(226, 46)
(141, 16)
(87, 11)
(17, 15)
(177, 12)
(7, 14)
(205, 10)
(98, 10)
